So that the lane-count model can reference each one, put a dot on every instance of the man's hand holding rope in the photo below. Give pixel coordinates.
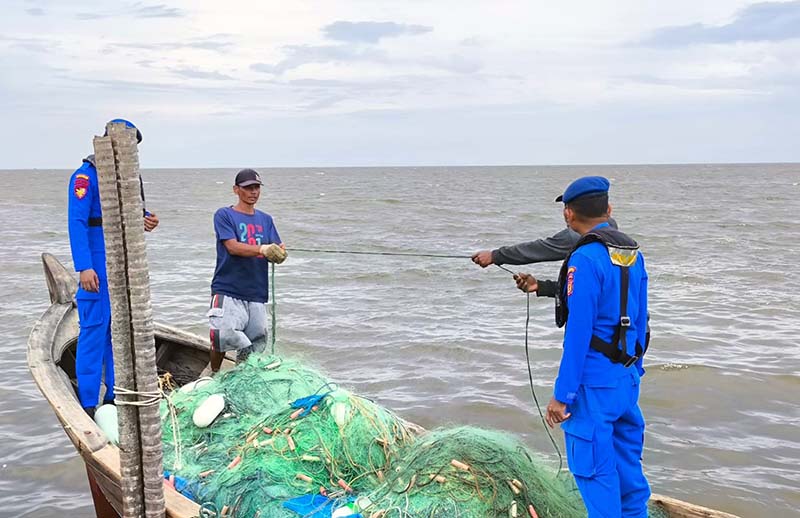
(526, 282)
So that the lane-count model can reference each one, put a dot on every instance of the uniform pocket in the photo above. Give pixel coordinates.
(82, 294)
(579, 440)
(215, 312)
(90, 312)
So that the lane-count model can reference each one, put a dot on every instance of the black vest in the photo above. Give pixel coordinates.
(623, 252)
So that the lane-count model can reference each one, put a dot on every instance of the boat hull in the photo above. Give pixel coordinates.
(51, 354)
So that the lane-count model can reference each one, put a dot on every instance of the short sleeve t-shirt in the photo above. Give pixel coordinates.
(244, 278)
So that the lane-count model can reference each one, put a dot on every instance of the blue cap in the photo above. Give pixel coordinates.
(584, 186)
(129, 124)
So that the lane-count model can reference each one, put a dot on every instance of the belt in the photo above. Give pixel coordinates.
(96, 222)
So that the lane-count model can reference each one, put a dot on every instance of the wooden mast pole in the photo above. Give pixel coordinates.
(132, 329)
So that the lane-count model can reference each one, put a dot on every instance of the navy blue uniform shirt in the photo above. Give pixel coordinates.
(86, 242)
(592, 296)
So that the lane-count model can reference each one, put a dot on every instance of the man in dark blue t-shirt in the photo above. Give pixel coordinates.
(247, 241)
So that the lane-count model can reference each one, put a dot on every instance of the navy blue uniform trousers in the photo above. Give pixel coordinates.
(604, 441)
(94, 346)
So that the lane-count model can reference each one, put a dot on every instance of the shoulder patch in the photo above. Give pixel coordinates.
(81, 186)
(570, 280)
(623, 256)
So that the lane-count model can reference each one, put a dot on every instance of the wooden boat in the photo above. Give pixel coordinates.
(51, 359)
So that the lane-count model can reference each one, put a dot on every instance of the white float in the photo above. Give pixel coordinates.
(340, 412)
(208, 410)
(106, 418)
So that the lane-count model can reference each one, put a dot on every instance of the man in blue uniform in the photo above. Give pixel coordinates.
(602, 299)
(94, 308)
(247, 241)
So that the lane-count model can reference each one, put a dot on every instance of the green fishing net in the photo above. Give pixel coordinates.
(471, 472)
(287, 432)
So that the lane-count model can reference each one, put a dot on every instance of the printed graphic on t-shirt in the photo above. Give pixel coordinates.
(251, 234)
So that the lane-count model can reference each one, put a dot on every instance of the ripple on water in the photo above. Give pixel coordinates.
(442, 341)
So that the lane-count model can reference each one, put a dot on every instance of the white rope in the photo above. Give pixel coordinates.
(176, 433)
(152, 398)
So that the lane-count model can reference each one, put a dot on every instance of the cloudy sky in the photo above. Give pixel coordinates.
(375, 82)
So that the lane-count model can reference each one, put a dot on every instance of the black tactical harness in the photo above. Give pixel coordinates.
(623, 252)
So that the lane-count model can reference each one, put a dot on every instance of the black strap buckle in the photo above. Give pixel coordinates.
(631, 360)
(625, 321)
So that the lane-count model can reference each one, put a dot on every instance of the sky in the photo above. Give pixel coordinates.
(380, 83)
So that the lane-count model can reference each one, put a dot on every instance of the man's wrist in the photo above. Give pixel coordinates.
(547, 288)
(563, 395)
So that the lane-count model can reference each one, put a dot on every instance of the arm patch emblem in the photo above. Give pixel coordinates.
(570, 280)
(81, 186)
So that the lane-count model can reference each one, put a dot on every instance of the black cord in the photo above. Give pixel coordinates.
(530, 373)
(533, 392)
(506, 269)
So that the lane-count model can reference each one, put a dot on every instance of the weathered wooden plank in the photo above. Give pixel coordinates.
(680, 509)
(105, 465)
(83, 432)
(163, 352)
(100, 495)
(60, 283)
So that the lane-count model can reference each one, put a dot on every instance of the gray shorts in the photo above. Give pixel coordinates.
(237, 325)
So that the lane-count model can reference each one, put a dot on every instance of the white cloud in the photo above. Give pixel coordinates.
(275, 68)
(763, 21)
(370, 32)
